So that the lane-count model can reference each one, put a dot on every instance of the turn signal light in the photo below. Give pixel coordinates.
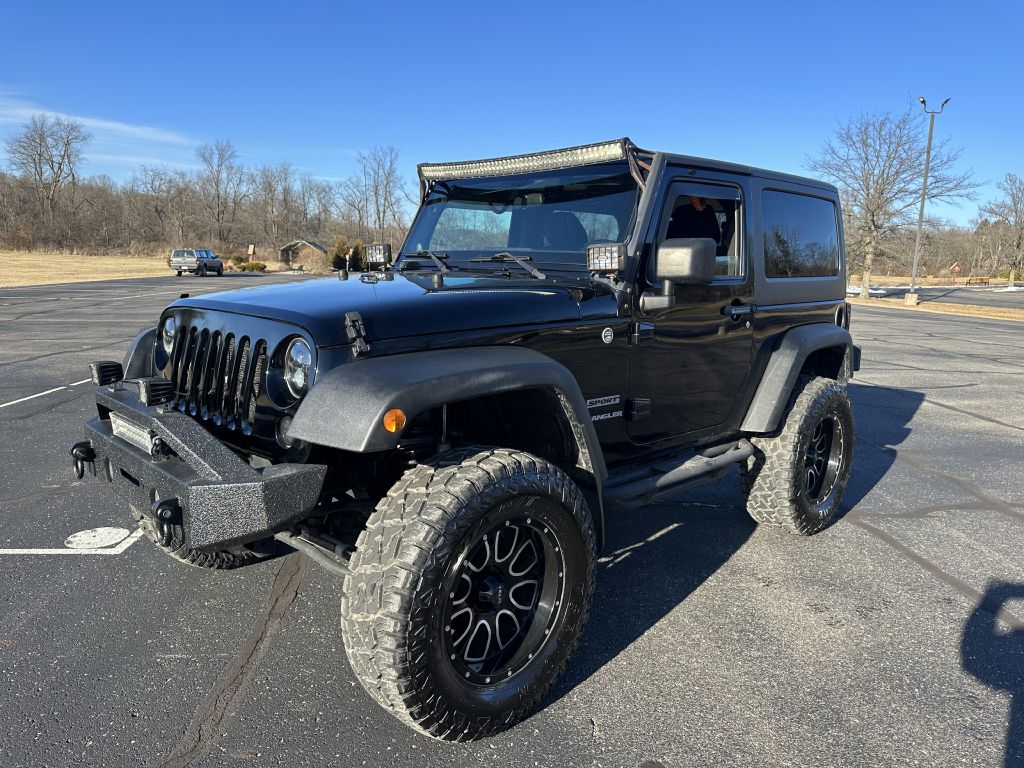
(394, 420)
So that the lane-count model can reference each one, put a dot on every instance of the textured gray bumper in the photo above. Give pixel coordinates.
(222, 499)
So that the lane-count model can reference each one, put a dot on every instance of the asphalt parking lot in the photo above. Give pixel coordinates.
(711, 643)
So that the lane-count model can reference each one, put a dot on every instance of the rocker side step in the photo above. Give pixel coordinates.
(701, 468)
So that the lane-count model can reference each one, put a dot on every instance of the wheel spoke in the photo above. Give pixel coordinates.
(519, 602)
(508, 617)
(463, 590)
(472, 642)
(469, 617)
(483, 548)
(500, 537)
(515, 560)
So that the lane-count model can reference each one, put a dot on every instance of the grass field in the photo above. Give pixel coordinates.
(19, 268)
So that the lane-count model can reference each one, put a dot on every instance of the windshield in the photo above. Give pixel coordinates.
(550, 216)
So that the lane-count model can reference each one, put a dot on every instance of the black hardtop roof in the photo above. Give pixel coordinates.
(689, 161)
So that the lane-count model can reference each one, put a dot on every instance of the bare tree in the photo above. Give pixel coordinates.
(221, 184)
(877, 161)
(47, 151)
(1008, 214)
(382, 190)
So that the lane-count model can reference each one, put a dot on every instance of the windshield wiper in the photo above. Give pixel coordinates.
(444, 268)
(507, 258)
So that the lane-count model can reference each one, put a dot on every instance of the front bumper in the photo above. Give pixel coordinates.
(222, 500)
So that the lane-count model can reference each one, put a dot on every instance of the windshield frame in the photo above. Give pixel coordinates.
(548, 259)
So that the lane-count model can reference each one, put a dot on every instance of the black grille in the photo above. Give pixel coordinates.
(217, 377)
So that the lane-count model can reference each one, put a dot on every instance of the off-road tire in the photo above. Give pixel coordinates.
(202, 271)
(220, 271)
(179, 274)
(221, 559)
(396, 591)
(774, 480)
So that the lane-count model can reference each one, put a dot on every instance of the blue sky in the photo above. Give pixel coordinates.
(313, 83)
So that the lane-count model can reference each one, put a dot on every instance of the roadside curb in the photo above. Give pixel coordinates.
(961, 310)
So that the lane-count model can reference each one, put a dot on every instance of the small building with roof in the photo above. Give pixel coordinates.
(294, 250)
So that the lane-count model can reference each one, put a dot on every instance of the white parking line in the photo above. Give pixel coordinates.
(114, 550)
(76, 383)
(31, 397)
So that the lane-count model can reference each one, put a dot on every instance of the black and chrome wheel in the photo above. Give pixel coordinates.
(468, 591)
(823, 459)
(797, 479)
(504, 597)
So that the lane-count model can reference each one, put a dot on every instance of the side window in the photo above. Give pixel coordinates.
(801, 236)
(705, 210)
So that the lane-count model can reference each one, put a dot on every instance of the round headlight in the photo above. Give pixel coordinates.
(298, 363)
(167, 334)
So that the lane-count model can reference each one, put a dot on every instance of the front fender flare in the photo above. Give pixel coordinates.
(138, 360)
(346, 405)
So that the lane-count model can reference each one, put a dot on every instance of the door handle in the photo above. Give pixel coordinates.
(736, 311)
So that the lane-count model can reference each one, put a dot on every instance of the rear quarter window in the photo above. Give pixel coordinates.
(801, 235)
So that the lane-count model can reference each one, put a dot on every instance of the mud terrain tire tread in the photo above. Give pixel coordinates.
(769, 480)
(408, 542)
(220, 560)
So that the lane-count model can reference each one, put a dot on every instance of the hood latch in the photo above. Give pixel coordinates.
(355, 330)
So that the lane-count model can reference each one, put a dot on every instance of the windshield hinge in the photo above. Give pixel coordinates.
(641, 332)
(355, 330)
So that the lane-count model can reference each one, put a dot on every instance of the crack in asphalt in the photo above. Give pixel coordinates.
(50, 406)
(993, 503)
(962, 411)
(207, 723)
(979, 599)
(67, 351)
(56, 490)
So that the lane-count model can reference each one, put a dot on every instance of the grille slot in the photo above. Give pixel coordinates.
(217, 377)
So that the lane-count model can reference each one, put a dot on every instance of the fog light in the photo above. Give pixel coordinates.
(606, 257)
(282, 432)
(104, 372)
(394, 420)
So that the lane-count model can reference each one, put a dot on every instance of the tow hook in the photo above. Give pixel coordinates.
(165, 512)
(82, 454)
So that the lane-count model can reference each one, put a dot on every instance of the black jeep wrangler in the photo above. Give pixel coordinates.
(560, 331)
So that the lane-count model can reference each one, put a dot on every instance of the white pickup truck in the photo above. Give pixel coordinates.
(200, 261)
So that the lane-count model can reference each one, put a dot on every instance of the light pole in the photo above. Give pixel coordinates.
(911, 297)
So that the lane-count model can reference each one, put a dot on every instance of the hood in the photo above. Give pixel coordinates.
(407, 305)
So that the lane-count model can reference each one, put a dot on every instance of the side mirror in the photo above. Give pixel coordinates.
(686, 260)
(680, 261)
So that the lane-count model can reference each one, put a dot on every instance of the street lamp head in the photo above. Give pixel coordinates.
(923, 102)
(944, 103)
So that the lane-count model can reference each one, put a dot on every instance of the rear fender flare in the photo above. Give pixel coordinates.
(783, 369)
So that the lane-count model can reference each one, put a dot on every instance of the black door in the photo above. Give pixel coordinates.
(691, 366)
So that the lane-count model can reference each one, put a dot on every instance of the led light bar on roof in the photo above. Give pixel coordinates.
(539, 161)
